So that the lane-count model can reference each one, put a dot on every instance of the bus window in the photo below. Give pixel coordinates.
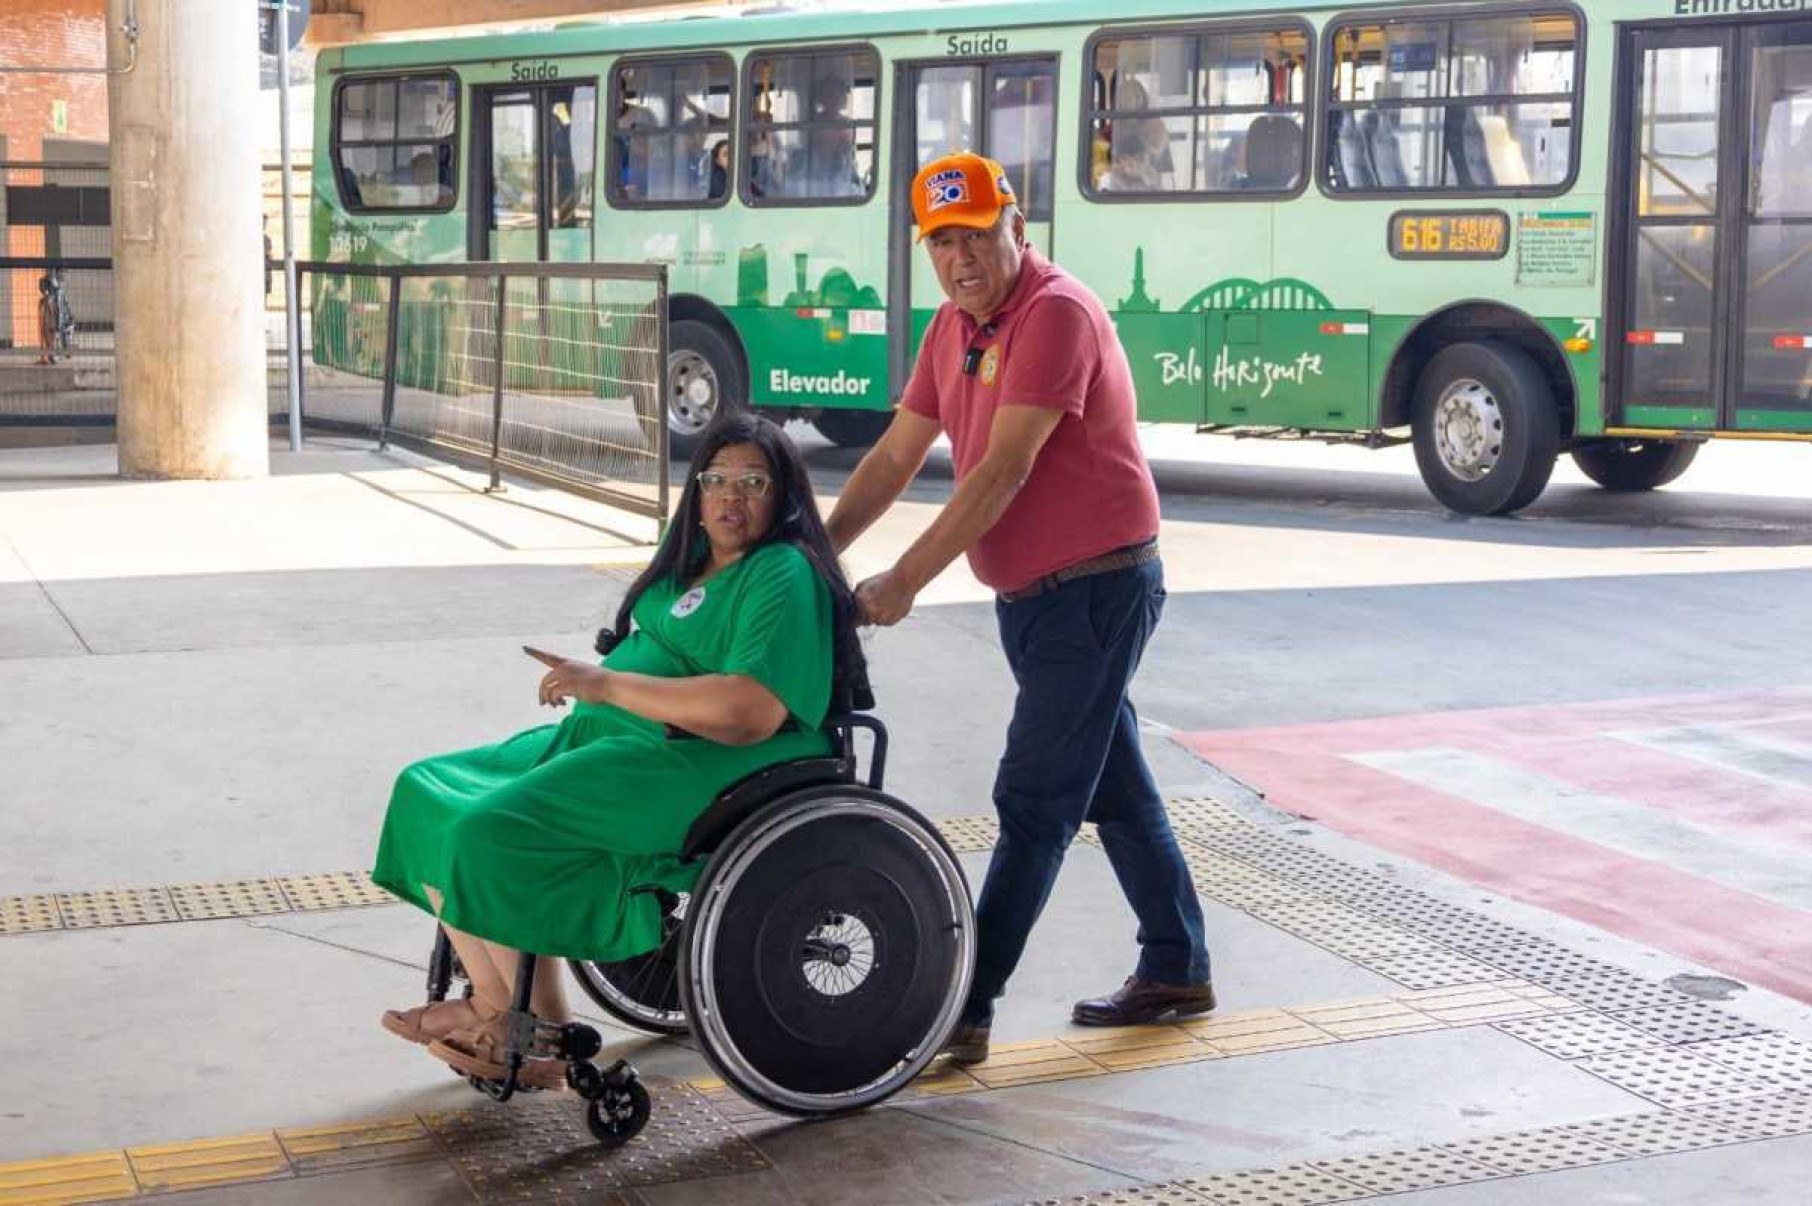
(394, 143)
(1782, 187)
(1478, 105)
(1199, 113)
(515, 164)
(810, 135)
(1022, 131)
(670, 116)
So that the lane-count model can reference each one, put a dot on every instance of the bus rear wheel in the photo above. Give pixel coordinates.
(852, 428)
(1486, 428)
(1626, 466)
(704, 380)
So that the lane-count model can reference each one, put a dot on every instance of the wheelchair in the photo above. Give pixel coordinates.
(820, 961)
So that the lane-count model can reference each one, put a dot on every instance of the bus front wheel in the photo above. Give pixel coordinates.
(1486, 428)
(704, 380)
(1626, 466)
(852, 428)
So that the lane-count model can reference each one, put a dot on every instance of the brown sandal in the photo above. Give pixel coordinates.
(435, 1020)
(479, 1051)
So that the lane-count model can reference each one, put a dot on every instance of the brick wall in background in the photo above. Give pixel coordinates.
(35, 107)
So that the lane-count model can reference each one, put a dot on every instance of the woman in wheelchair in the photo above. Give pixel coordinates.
(562, 840)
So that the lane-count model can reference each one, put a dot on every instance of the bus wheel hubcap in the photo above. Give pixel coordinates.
(1469, 430)
(694, 392)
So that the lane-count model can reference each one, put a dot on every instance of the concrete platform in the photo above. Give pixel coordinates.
(212, 684)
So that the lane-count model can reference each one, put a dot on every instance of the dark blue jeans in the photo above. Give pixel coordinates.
(1072, 756)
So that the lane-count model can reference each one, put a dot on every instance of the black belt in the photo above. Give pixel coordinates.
(1122, 558)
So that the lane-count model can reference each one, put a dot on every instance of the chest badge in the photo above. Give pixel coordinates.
(687, 603)
(990, 365)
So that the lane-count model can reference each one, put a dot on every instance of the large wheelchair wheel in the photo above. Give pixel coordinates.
(642, 992)
(829, 951)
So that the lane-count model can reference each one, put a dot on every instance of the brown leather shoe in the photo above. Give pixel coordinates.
(1141, 1001)
(967, 1045)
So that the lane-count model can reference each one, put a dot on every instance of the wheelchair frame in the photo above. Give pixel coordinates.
(819, 983)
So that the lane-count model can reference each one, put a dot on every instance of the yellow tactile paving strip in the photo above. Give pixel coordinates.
(110, 907)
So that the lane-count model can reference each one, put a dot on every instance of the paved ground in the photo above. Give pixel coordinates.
(1523, 918)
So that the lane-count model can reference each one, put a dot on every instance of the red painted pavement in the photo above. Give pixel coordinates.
(1306, 769)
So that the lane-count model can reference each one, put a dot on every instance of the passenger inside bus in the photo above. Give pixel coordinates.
(717, 173)
(1138, 147)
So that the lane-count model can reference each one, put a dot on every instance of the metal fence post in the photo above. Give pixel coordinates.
(503, 283)
(388, 414)
(664, 467)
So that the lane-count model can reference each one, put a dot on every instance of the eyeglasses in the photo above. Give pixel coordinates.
(745, 485)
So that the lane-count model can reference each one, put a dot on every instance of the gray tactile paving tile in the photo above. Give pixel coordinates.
(1613, 993)
(1771, 1057)
(1414, 1168)
(1573, 1035)
(1458, 928)
(1762, 1117)
(1138, 1195)
(1672, 1078)
(1297, 1185)
(1544, 962)
(1536, 1151)
(1658, 1133)
(1688, 1022)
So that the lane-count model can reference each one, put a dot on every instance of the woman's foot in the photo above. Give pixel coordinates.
(483, 1051)
(435, 1020)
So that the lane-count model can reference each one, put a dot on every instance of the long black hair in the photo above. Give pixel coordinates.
(796, 522)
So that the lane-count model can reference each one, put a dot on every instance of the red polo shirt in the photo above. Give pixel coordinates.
(1050, 344)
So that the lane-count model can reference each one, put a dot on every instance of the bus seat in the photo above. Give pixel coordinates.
(1347, 155)
(1273, 152)
(1466, 149)
(1387, 154)
(1509, 167)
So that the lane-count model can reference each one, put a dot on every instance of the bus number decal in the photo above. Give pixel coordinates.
(989, 43)
(1449, 235)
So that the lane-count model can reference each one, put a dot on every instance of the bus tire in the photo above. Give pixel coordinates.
(704, 380)
(1626, 466)
(852, 428)
(1486, 428)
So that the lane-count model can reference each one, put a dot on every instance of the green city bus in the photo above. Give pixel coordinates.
(1499, 229)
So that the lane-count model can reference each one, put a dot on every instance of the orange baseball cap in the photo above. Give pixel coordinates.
(963, 189)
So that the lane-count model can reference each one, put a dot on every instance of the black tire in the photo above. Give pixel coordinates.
(619, 1114)
(704, 380)
(1487, 429)
(642, 992)
(852, 428)
(1625, 466)
(829, 951)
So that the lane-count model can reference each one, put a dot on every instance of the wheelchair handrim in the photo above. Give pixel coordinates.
(701, 1005)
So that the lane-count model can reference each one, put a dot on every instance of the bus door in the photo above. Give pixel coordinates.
(1712, 314)
(1005, 109)
(535, 171)
(533, 162)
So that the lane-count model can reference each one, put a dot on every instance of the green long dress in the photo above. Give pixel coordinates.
(541, 842)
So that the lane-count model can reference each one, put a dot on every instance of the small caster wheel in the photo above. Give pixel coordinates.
(618, 1114)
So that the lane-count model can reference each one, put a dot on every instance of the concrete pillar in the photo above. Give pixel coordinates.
(188, 251)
